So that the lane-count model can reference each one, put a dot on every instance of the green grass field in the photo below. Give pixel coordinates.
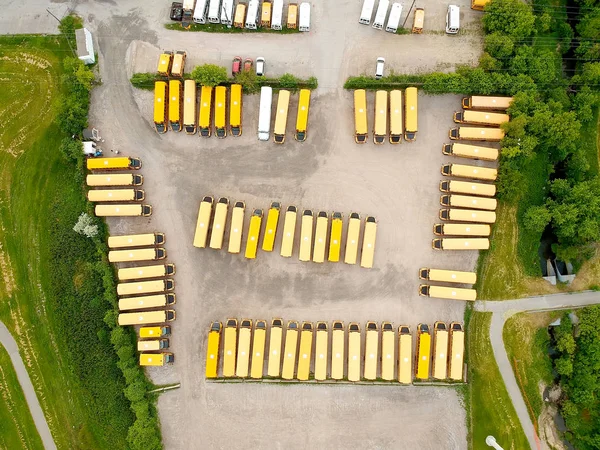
(17, 429)
(491, 411)
(50, 298)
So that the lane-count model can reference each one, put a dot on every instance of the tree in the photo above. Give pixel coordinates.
(71, 149)
(510, 17)
(536, 218)
(209, 75)
(86, 226)
(564, 366)
(583, 102)
(499, 45)
(142, 435)
(72, 115)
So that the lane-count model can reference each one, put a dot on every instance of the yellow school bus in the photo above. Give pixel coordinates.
(204, 122)
(456, 355)
(486, 102)
(337, 350)
(335, 238)
(175, 116)
(460, 244)
(306, 235)
(353, 352)
(306, 339)
(156, 359)
(381, 108)
(220, 111)
(440, 351)
(164, 63)
(352, 239)
(450, 293)
(114, 179)
(292, 18)
(138, 273)
(271, 228)
(240, 15)
(396, 125)
(480, 118)
(289, 351)
(466, 171)
(204, 213)
(467, 201)
(136, 240)
(237, 224)
(461, 229)
(212, 349)
(253, 233)
(423, 353)
(235, 109)
(321, 349)
(371, 351)
(155, 332)
(404, 354)
(218, 224)
(145, 287)
(388, 354)
(476, 134)
(160, 106)
(368, 247)
(361, 132)
(275, 340)
(143, 254)
(302, 117)
(178, 64)
(189, 106)
(320, 237)
(229, 347)
(466, 187)
(447, 276)
(468, 215)
(118, 163)
(411, 116)
(283, 102)
(153, 345)
(122, 210)
(470, 151)
(258, 349)
(146, 317)
(289, 230)
(146, 301)
(243, 351)
(116, 195)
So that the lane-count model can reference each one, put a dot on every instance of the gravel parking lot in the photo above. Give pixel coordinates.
(397, 184)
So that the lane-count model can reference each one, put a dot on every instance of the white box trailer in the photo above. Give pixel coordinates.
(214, 9)
(394, 18)
(227, 12)
(264, 114)
(277, 14)
(200, 11)
(366, 12)
(381, 14)
(252, 15)
(304, 23)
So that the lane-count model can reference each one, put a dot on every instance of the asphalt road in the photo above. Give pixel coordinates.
(501, 312)
(34, 405)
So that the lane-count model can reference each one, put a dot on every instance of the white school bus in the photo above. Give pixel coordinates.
(304, 355)
(396, 123)
(388, 354)
(447, 276)
(218, 224)
(114, 179)
(353, 352)
(204, 213)
(243, 350)
(467, 201)
(470, 151)
(283, 102)
(139, 273)
(147, 301)
(320, 237)
(335, 237)
(486, 102)
(352, 239)
(371, 351)
(237, 224)
(189, 106)
(440, 351)
(290, 349)
(116, 195)
(465, 171)
(230, 347)
(468, 215)
(136, 240)
(466, 187)
(275, 340)
(404, 354)
(143, 254)
(258, 349)
(368, 247)
(289, 230)
(321, 351)
(460, 244)
(337, 350)
(380, 121)
(306, 235)
(461, 229)
(450, 293)
(457, 349)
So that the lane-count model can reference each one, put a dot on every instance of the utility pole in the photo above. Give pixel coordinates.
(408, 14)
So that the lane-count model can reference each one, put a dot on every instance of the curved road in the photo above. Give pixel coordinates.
(39, 419)
(501, 312)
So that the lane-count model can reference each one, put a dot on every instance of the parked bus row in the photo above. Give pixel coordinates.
(393, 21)
(281, 115)
(252, 14)
(450, 277)
(171, 64)
(477, 111)
(308, 351)
(152, 339)
(320, 239)
(392, 119)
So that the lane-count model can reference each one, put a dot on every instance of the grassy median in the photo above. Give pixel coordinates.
(50, 289)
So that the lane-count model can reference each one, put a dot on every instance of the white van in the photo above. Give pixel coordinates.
(452, 19)
(381, 14)
(394, 19)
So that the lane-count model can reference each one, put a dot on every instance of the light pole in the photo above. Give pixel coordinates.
(491, 442)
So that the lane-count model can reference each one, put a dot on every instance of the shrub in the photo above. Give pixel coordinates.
(145, 80)
(209, 75)
(288, 81)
